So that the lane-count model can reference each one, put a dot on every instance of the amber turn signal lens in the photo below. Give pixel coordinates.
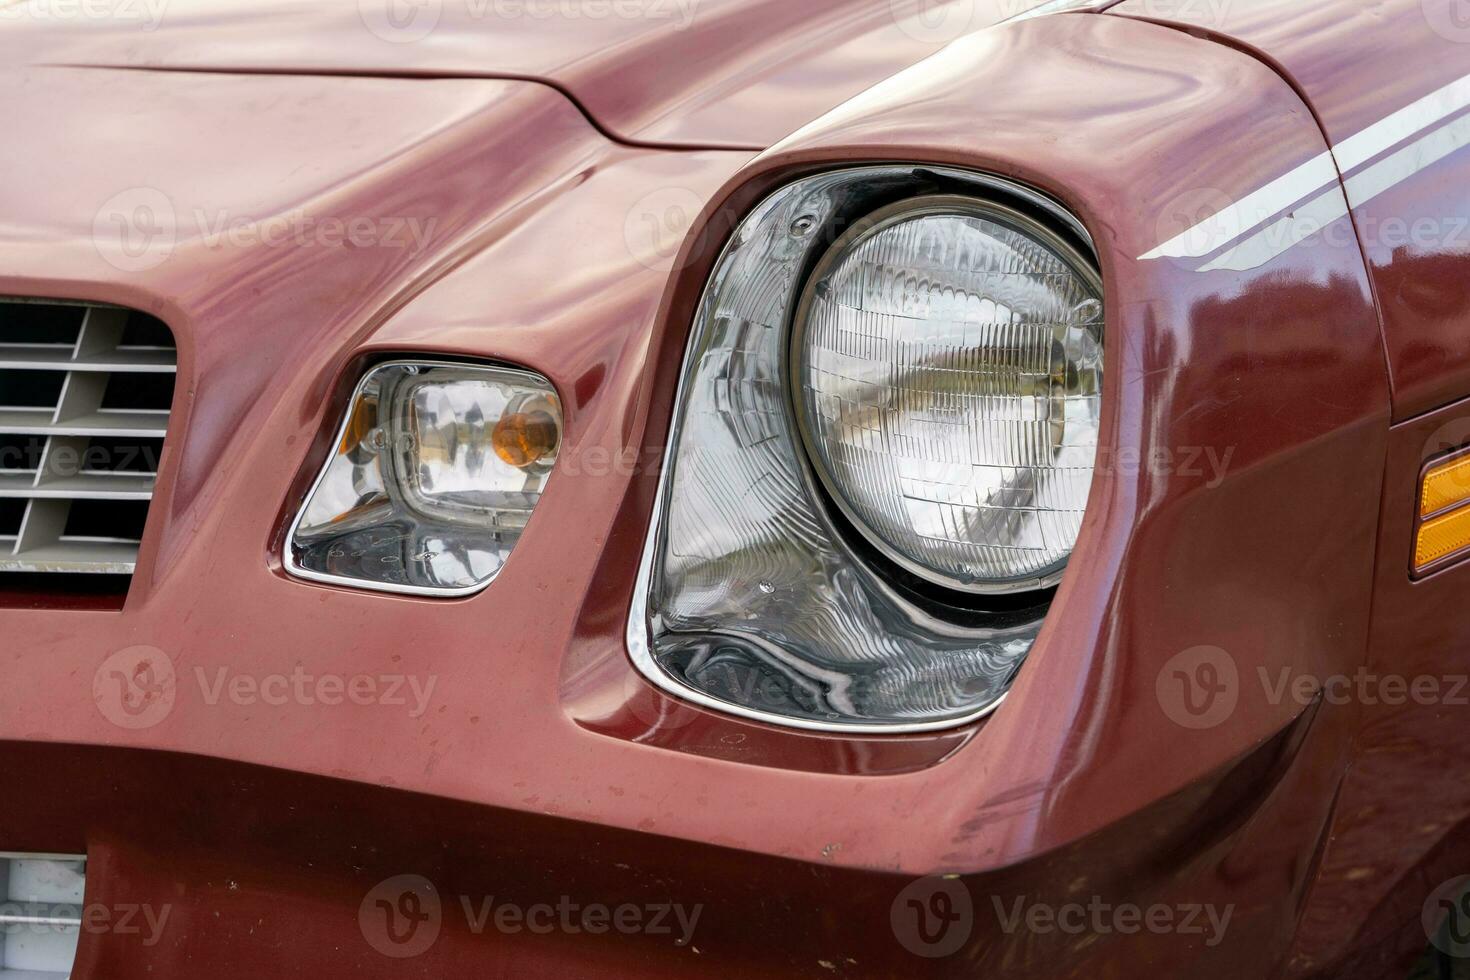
(1442, 536)
(1444, 511)
(362, 421)
(524, 438)
(1445, 486)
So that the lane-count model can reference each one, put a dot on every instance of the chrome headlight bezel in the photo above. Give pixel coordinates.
(1008, 623)
(394, 453)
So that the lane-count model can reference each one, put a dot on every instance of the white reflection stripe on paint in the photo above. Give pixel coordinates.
(1362, 146)
(1303, 222)
(1399, 166)
(1231, 223)
(1055, 7)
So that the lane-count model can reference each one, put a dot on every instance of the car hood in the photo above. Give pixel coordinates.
(712, 73)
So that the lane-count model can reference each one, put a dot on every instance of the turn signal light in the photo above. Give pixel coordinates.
(524, 439)
(1445, 486)
(437, 470)
(1444, 512)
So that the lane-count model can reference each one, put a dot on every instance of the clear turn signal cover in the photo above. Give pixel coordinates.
(433, 476)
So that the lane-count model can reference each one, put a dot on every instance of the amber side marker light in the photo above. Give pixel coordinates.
(1444, 513)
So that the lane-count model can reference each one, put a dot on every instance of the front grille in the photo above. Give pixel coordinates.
(85, 391)
(40, 914)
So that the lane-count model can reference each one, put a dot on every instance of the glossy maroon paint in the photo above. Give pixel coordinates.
(729, 73)
(546, 766)
(1358, 64)
(1402, 809)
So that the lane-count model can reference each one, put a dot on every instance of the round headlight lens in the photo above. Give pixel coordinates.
(948, 376)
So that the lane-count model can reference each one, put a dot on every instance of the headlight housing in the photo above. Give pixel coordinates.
(882, 446)
(433, 476)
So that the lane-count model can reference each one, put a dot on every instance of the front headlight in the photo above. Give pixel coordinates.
(948, 373)
(882, 448)
(432, 479)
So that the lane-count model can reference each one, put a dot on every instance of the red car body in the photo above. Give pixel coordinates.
(575, 178)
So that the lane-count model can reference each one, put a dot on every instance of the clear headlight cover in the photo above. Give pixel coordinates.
(434, 474)
(754, 596)
(948, 369)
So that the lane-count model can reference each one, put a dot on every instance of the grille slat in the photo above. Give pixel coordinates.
(90, 486)
(85, 382)
(143, 425)
(78, 557)
(51, 357)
